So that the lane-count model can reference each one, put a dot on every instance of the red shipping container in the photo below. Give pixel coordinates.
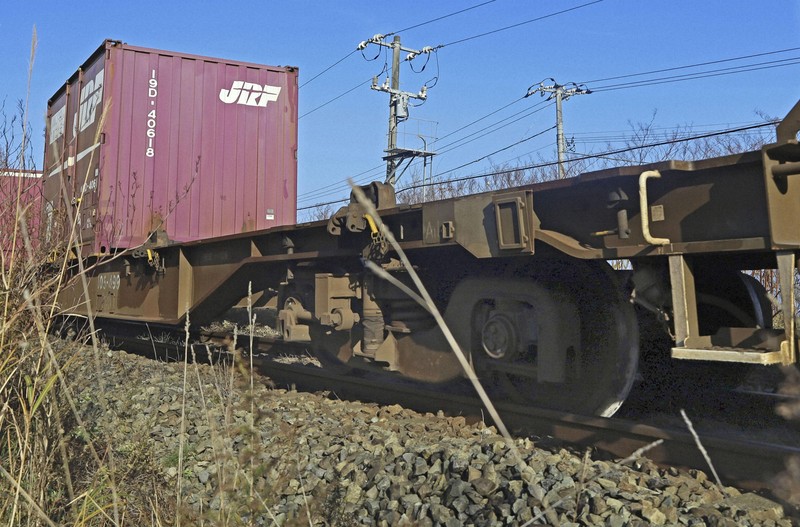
(158, 147)
(20, 196)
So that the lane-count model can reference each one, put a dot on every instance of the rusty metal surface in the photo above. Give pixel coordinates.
(144, 140)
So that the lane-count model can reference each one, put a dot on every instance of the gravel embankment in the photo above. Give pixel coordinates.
(281, 457)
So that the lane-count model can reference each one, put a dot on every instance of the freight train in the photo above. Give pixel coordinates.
(153, 159)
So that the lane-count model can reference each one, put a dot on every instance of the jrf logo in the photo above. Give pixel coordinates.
(250, 94)
(91, 98)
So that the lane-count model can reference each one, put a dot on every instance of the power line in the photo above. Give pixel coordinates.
(636, 84)
(718, 61)
(524, 114)
(354, 88)
(494, 112)
(701, 75)
(466, 39)
(363, 179)
(326, 70)
(478, 120)
(592, 139)
(555, 163)
(497, 151)
(592, 156)
(537, 19)
(369, 170)
(441, 17)
(324, 204)
(624, 134)
(621, 136)
(642, 83)
(448, 147)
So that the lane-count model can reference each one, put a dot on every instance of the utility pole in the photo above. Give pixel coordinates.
(560, 93)
(398, 100)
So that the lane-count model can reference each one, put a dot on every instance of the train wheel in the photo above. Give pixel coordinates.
(561, 337)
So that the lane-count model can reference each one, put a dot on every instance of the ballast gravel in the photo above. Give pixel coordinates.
(266, 456)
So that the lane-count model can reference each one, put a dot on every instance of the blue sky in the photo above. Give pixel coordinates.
(473, 78)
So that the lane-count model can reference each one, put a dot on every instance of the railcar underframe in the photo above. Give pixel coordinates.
(522, 277)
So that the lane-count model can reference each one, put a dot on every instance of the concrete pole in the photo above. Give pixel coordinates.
(562, 147)
(560, 93)
(392, 145)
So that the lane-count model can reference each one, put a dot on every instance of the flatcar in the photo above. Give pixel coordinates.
(522, 276)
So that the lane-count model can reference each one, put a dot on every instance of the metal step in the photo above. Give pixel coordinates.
(742, 345)
(740, 355)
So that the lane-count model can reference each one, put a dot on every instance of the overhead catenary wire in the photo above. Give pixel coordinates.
(342, 183)
(626, 76)
(646, 82)
(739, 69)
(493, 112)
(363, 179)
(617, 136)
(437, 19)
(677, 78)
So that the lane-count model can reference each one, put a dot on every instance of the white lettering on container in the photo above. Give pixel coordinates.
(108, 281)
(250, 94)
(58, 123)
(91, 98)
(152, 93)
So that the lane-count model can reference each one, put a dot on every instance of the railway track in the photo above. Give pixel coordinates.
(741, 461)
(744, 463)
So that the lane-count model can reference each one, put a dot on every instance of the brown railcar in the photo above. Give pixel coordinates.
(521, 276)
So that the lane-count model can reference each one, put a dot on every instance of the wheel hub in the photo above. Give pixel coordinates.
(499, 337)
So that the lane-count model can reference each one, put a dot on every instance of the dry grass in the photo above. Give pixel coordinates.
(44, 479)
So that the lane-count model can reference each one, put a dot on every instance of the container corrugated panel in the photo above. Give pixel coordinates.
(162, 147)
(20, 198)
